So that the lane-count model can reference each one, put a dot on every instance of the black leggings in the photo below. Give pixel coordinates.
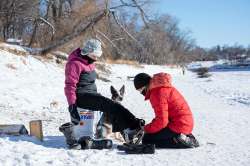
(120, 117)
(167, 138)
(161, 139)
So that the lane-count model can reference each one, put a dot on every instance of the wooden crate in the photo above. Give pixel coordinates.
(36, 129)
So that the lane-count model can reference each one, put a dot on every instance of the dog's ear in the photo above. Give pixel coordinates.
(122, 90)
(113, 90)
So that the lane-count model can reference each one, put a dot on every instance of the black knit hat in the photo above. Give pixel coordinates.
(141, 80)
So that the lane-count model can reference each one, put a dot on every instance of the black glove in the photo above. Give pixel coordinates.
(75, 118)
(141, 122)
(137, 124)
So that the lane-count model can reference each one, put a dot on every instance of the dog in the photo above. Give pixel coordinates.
(104, 127)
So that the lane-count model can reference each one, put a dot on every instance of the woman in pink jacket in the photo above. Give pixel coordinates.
(81, 91)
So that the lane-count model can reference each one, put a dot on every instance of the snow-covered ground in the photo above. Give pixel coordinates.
(31, 89)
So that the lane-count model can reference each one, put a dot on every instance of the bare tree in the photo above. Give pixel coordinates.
(158, 40)
(12, 15)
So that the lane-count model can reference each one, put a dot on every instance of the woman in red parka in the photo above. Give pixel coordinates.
(173, 123)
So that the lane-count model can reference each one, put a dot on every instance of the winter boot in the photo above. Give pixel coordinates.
(67, 130)
(90, 143)
(137, 149)
(133, 136)
(186, 141)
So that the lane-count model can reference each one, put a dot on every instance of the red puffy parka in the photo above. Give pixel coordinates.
(170, 107)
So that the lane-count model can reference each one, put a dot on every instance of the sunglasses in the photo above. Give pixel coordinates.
(142, 89)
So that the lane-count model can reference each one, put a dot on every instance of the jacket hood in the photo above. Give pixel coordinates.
(75, 55)
(157, 81)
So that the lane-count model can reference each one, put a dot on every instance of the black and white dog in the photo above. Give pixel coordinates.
(104, 127)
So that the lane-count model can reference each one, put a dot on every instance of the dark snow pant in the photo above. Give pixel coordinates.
(165, 138)
(120, 117)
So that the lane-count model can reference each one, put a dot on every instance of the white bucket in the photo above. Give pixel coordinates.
(87, 124)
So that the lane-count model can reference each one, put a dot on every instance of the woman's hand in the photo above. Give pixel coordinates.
(75, 118)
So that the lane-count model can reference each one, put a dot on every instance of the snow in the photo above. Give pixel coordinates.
(198, 64)
(13, 40)
(221, 65)
(31, 89)
(17, 48)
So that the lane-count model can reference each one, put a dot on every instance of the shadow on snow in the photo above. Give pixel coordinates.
(48, 141)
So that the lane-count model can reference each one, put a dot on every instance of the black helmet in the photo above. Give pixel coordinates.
(141, 80)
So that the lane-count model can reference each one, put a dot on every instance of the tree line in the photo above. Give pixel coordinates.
(231, 53)
(126, 27)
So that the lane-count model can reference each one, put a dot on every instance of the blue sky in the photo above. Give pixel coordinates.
(212, 22)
